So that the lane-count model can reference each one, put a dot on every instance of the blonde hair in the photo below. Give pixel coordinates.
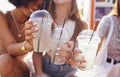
(73, 14)
(116, 10)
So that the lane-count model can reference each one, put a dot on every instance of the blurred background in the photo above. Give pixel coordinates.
(5, 6)
(92, 10)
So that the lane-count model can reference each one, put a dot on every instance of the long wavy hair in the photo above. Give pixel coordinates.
(73, 14)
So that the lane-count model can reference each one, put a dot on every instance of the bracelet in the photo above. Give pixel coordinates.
(23, 46)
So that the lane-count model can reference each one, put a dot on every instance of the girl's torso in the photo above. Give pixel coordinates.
(13, 25)
(113, 46)
(13, 29)
(66, 34)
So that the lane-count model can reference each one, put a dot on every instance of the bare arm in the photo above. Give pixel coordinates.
(115, 71)
(100, 46)
(7, 38)
(37, 61)
(37, 56)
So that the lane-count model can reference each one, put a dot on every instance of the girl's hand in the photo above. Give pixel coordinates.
(30, 29)
(64, 52)
(77, 59)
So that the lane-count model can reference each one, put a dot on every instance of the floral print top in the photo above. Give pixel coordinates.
(114, 43)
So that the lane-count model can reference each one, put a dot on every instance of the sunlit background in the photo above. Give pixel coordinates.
(5, 5)
(92, 10)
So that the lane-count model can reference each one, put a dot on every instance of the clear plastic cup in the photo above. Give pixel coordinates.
(88, 46)
(58, 42)
(43, 37)
(56, 45)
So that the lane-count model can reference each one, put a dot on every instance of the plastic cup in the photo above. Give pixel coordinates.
(58, 42)
(88, 47)
(56, 45)
(43, 37)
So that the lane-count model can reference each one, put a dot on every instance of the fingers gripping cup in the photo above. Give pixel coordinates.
(58, 42)
(56, 46)
(88, 41)
(43, 37)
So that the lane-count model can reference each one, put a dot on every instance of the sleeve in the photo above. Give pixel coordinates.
(103, 27)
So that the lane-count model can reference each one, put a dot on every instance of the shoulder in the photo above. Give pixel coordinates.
(106, 20)
(104, 26)
(107, 17)
(85, 23)
(2, 14)
(2, 17)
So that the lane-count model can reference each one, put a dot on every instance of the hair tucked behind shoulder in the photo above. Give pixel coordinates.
(19, 3)
(73, 14)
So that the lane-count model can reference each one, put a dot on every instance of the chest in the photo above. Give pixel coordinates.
(19, 36)
(17, 30)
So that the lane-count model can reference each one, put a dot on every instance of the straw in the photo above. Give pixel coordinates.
(38, 45)
(44, 4)
(40, 35)
(59, 39)
(73, 50)
(92, 34)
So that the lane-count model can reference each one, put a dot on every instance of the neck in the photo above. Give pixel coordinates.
(61, 13)
(19, 16)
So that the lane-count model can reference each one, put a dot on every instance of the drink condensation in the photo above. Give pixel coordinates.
(58, 42)
(88, 47)
(43, 37)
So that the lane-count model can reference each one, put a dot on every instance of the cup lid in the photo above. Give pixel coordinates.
(40, 13)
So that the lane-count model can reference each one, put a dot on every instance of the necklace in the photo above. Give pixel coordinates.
(16, 25)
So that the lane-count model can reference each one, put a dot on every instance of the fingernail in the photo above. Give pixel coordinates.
(58, 59)
(35, 24)
(65, 41)
(29, 21)
(34, 36)
(36, 29)
(57, 54)
(58, 48)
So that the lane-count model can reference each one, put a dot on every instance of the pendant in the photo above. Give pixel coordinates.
(19, 35)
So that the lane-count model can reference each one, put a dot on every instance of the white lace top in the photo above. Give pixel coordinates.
(67, 32)
(114, 44)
